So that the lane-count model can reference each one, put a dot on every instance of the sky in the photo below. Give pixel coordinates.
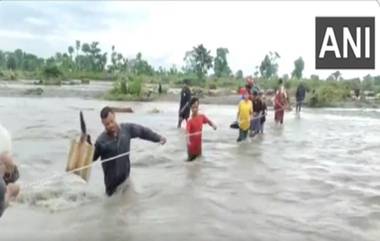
(164, 30)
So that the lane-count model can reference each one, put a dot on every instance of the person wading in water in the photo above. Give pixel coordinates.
(9, 173)
(194, 130)
(184, 105)
(300, 96)
(116, 140)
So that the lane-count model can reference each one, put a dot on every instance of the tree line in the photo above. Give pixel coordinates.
(89, 57)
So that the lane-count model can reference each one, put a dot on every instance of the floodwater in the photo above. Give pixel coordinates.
(315, 178)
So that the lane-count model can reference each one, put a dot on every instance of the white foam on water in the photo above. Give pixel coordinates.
(58, 195)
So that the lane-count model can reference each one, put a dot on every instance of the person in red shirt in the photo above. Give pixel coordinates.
(194, 130)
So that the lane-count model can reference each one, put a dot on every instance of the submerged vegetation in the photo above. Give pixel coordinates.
(87, 61)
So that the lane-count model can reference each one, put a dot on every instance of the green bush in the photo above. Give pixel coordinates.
(9, 75)
(329, 94)
(52, 72)
(376, 89)
(271, 83)
(134, 85)
(128, 85)
(212, 86)
(120, 87)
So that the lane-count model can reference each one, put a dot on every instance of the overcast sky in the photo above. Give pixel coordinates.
(164, 31)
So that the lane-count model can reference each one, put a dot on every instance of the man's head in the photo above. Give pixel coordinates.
(194, 104)
(249, 81)
(109, 120)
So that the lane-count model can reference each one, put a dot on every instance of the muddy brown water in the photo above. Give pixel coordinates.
(315, 178)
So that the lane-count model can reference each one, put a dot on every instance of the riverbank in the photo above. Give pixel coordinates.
(99, 89)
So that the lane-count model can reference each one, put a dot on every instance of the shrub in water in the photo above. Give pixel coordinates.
(134, 85)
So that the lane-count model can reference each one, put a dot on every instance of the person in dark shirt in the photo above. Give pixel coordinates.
(263, 112)
(257, 110)
(184, 105)
(159, 88)
(116, 140)
(300, 96)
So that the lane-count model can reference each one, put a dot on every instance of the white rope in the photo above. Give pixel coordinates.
(46, 180)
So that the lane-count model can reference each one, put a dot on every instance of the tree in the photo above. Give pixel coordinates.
(200, 61)
(335, 76)
(376, 80)
(285, 77)
(256, 72)
(354, 83)
(221, 67)
(368, 82)
(269, 66)
(71, 51)
(11, 62)
(173, 70)
(2, 59)
(298, 68)
(31, 62)
(189, 66)
(101, 61)
(314, 77)
(239, 74)
(93, 58)
(77, 46)
(86, 48)
(139, 66)
(19, 55)
(118, 62)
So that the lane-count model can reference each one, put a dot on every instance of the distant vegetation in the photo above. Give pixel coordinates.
(86, 61)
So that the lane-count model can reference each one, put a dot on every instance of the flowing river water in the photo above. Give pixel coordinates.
(315, 178)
